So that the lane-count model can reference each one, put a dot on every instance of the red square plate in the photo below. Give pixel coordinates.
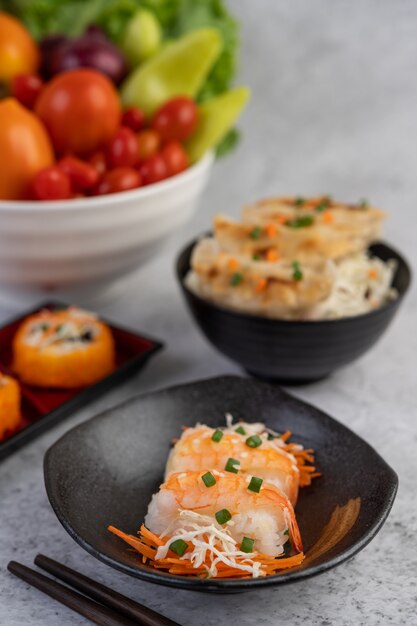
(42, 408)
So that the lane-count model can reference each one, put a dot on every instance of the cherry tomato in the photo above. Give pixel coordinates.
(148, 142)
(83, 176)
(175, 157)
(123, 149)
(98, 161)
(176, 119)
(153, 169)
(51, 183)
(119, 179)
(26, 88)
(80, 109)
(134, 118)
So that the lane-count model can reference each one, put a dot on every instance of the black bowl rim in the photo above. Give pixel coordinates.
(213, 585)
(186, 250)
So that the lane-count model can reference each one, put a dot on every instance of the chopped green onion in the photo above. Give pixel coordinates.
(271, 436)
(236, 279)
(255, 484)
(256, 232)
(253, 441)
(179, 546)
(297, 273)
(230, 466)
(44, 327)
(217, 436)
(364, 204)
(240, 430)
(60, 328)
(208, 479)
(256, 257)
(299, 201)
(287, 532)
(223, 516)
(324, 204)
(300, 222)
(247, 544)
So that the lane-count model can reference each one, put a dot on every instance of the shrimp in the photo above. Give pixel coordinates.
(198, 450)
(266, 516)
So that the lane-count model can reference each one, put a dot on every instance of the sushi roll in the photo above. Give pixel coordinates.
(240, 449)
(9, 405)
(218, 524)
(65, 348)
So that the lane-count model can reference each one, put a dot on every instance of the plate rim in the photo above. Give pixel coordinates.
(223, 585)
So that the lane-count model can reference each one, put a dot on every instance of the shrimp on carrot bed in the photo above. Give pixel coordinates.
(218, 524)
(247, 448)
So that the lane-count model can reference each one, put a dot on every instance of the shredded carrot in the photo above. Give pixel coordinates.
(154, 538)
(307, 472)
(272, 255)
(271, 231)
(233, 264)
(183, 567)
(328, 217)
(134, 542)
(372, 273)
(261, 285)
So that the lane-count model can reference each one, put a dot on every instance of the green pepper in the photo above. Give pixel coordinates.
(142, 37)
(215, 118)
(179, 69)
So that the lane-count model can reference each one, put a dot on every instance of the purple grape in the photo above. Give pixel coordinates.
(48, 48)
(92, 50)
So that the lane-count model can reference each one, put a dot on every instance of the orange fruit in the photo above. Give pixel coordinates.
(19, 53)
(25, 149)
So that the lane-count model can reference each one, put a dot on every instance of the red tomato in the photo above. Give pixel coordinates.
(51, 183)
(83, 176)
(119, 179)
(175, 157)
(98, 161)
(26, 88)
(148, 142)
(134, 118)
(123, 149)
(176, 119)
(80, 109)
(153, 169)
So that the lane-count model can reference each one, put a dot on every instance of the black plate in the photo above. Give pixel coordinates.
(106, 470)
(293, 351)
(43, 408)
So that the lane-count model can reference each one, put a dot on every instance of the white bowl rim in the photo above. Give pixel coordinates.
(83, 204)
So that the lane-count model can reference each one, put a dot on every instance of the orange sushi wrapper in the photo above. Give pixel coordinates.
(44, 366)
(10, 415)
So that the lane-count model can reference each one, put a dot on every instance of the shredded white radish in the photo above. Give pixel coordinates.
(209, 539)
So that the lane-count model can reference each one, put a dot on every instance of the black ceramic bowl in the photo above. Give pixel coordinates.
(293, 351)
(105, 471)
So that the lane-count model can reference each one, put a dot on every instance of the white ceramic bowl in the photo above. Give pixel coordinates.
(67, 244)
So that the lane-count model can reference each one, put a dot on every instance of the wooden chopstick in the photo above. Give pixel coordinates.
(84, 606)
(112, 599)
